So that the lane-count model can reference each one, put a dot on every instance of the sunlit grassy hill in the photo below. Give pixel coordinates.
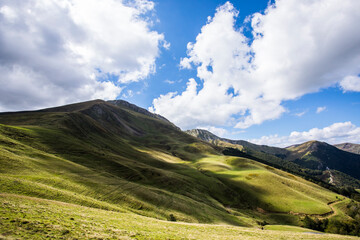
(313, 159)
(114, 160)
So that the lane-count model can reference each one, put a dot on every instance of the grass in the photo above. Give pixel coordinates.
(289, 228)
(272, 189)
(27, 217)
(122, 167)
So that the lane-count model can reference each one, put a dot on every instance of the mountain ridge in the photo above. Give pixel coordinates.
(349, 147)
(314, 154)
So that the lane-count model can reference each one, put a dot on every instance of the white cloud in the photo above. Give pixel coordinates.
(350, 83)
(128, 94)
(220, 132)
(335, 133)
(300, 114)
(320, 109)
(169, 81)
(55, 52)
(166, 45)
(299, 47)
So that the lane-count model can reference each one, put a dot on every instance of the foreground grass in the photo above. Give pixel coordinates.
(34, 218)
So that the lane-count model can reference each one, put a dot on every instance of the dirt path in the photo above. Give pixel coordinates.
(333, 210)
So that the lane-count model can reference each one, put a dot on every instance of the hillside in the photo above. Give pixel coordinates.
(312, 159)
(320, 155)
(116, 160)
(349, 147)
(34, 218)
(208, 136)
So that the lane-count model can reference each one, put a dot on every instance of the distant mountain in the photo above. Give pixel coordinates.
(314, 157)
(349, 147)
(208, 136)
(320, 155)
(203, 135)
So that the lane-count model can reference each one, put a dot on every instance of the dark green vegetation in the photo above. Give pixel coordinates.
(320, 155)
(349, 226)
(119, 161)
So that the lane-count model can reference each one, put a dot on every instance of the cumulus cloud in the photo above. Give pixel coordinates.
(335, 133)
(298, 47)
(55, 52)
(350, 84)
(320, 109)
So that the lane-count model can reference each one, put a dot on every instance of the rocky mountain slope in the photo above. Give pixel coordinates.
(349, 147)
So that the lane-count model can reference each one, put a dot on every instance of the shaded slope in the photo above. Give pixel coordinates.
(320, 155)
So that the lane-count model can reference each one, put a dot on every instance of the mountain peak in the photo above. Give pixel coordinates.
(133, 107)
(308, 146)
(203, 134)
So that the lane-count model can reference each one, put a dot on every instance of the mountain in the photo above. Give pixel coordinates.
(320, 155)
(349, 147)
(77, 171)
(208, 136)
(313, 158)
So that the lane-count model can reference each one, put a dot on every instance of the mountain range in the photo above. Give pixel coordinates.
(327, 162)
(110, 169)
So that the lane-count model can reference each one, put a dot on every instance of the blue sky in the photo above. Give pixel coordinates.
(276, 73)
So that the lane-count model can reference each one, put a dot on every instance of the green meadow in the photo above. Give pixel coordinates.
(34, 218)
(94, 170)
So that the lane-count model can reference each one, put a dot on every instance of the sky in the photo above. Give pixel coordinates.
(271, 72)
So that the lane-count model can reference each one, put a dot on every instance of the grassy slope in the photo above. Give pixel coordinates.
(272, 189)
(143, 166)
(308, 157)
(24, 217)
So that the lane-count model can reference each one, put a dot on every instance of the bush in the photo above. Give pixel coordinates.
(172, 218)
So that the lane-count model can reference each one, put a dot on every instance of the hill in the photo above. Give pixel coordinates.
(349, 147)
(312, 159)
(320, 155)
(110, 160)
(208, 136)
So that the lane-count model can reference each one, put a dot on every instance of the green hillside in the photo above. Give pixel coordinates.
(116, 160)
(320, 155)
(313, 160)
(34, 218)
